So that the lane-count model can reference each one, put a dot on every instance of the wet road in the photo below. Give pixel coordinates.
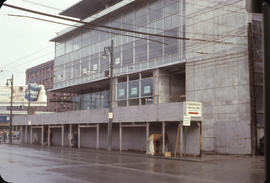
(35, 164)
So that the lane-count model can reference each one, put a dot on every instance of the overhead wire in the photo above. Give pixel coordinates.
(106, 27)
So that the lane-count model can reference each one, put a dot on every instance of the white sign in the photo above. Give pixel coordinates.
(147, 90)
(110, 115)
(134, 91)
(22, 95)
(193, 109)
(186, 120)
(121, 92)
(117, 61)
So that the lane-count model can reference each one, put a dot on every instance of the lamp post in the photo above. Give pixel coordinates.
(110, 115)
(11, 105)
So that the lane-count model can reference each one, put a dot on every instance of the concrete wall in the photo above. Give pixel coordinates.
(160, 112)
(217, 74)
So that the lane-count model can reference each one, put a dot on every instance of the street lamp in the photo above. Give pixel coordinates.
(110, 50)
(11, 105)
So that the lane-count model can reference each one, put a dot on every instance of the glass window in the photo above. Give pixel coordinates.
(95, 100)
(86, 101)
(76, 69)
(133, 89)
(94, 63)
(85, 65)
(68, 71)
(94, 37)
(140, 50)
(60, 49)
(128, 21)
(127, 54)
(171, 7)
(77, 43)
(155, 49)
(76, 102)
(172, 44)
(155, 10)
(141, 14)
(147, 87)
(104, 99)
(85, 39)
(69, 46)
(117, 57)
(122, 91)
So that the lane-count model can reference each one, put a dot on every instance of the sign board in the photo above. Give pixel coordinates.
(117, 61)
(193, 109)
(147, 90)
(34, 93)
(186, 120)
(121, 92)
(134, 91)
(4, 119)
(110, 115)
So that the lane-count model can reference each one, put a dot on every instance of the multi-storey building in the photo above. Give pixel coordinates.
(164, 52)
(43, 74)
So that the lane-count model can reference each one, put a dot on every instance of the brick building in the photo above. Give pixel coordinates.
(43, 74)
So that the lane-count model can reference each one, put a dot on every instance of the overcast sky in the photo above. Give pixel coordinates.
(24, 42)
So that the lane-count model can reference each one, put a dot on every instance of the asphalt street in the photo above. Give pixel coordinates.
(36, 164)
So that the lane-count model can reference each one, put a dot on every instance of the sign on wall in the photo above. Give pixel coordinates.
(193, 109)
(22, 95)
(186, 120)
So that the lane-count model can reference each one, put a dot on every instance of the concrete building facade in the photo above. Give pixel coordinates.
(165, 53)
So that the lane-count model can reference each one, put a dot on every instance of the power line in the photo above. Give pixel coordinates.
(109, 27)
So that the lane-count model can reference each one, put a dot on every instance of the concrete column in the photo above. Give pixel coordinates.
(147, 136)
(42, 135)
(140, 86)
(163, 137)
(49, 136)
(31, 135)
(79, 136)
(127, 90)
(97, 146)
(21, 130)
(120, 137)
(181, 139)
(25, 134)
(70, 132)
(62, 136)
(16, 128)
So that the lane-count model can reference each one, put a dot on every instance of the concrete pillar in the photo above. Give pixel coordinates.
(16, 128)
(79, 136)
(181, 139)
(97, 147)
(42, 135)
(70, 132)
(31, 135)
(127, 90)
(147, 136)
(62, 136)
(120, 137)
(25, 134)
(49, 136)
(140, 86)
(21, 130)
(163, 137)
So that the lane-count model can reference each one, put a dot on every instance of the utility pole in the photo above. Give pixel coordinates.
(266, 23)
(110, 115)
(11, 106)
(263, 6)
